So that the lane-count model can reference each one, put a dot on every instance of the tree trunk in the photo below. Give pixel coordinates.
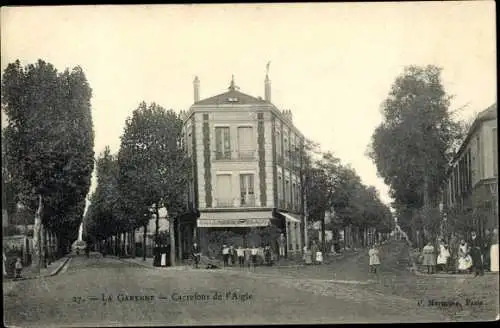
(323, 241)
(144, 238)
(37, 251)
(345, 237)
(157, 226)
(132, 233)
(171, 229)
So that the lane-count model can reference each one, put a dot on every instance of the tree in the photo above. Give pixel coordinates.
(414, 144)
(49, 141)
(153, 167)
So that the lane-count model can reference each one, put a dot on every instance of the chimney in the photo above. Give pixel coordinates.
(267, 90)
(196, 87)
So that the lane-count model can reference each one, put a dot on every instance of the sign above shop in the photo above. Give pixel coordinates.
(213, 223)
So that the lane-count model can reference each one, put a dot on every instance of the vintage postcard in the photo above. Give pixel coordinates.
(238, 164)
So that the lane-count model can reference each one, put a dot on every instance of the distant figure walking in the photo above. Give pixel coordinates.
(225, 255)
(254, 252)
(373, 253)
(196, 254)
(477, 256)
(18, 267)
(429, 258)
(241, 256)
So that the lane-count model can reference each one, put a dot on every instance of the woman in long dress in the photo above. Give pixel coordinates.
(494, 251)
(464, 258)
(443, 257)
(374, 258)
(429, 258)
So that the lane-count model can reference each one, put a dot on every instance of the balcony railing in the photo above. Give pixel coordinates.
(236, 155)
(223, 155)
(247, 201)
(236, 202)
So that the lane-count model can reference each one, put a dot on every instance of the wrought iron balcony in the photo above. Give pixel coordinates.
(247, 201)
(223, 155)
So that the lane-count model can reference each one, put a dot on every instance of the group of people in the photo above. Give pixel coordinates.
(232, 255)
(313, 255)
(474, 257)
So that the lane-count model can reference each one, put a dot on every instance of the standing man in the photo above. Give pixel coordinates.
(282, 244)
(196, 254)
(225, 255)
(477, 258)
(241, 256)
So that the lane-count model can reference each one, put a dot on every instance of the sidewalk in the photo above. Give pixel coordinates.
(51, 270)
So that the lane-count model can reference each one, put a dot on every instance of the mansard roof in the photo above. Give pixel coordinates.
(231, 97)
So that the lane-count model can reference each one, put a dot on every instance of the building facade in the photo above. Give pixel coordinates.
(247, 167)
(472, 183)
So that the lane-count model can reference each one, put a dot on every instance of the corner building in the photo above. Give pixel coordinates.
(247, 168)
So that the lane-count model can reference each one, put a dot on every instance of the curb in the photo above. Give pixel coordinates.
(60, 267)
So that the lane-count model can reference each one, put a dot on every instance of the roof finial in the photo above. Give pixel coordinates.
(233, 85)
(267, 68)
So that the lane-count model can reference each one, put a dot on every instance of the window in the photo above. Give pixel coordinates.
(280, 189)
(246, 145)
(287, 191)
(286, 149)
(247, 190)
(495, 152)
(294, 197)
(224, 192)
(479, 159)
(278, 145)
(189, 144)
(222, 143)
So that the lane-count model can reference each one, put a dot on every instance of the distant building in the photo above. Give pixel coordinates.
(472, 182)
(247, 163)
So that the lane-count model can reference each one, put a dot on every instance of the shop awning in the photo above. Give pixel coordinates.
(234, 219)
(291, 217)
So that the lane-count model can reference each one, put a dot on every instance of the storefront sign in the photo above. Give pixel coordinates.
(208, 223)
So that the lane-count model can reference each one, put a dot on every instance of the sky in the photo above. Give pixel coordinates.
(332, 64)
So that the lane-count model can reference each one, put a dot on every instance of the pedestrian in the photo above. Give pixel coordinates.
(18, 267)
(373, 253)
(319, 256)
(241, 256)
(314, 249)
(494, 251)
(267, 255)
(429, 258)
(444, 255)
(235, 255)
(486, 250)
(196, 254)
(307, 256)
(225, 255)
(231, 255)
(254, 252)
(476, 255)
(464, 259)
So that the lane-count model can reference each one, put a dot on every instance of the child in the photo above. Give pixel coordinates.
(19, 267)
(319, 257)
(374, 258)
